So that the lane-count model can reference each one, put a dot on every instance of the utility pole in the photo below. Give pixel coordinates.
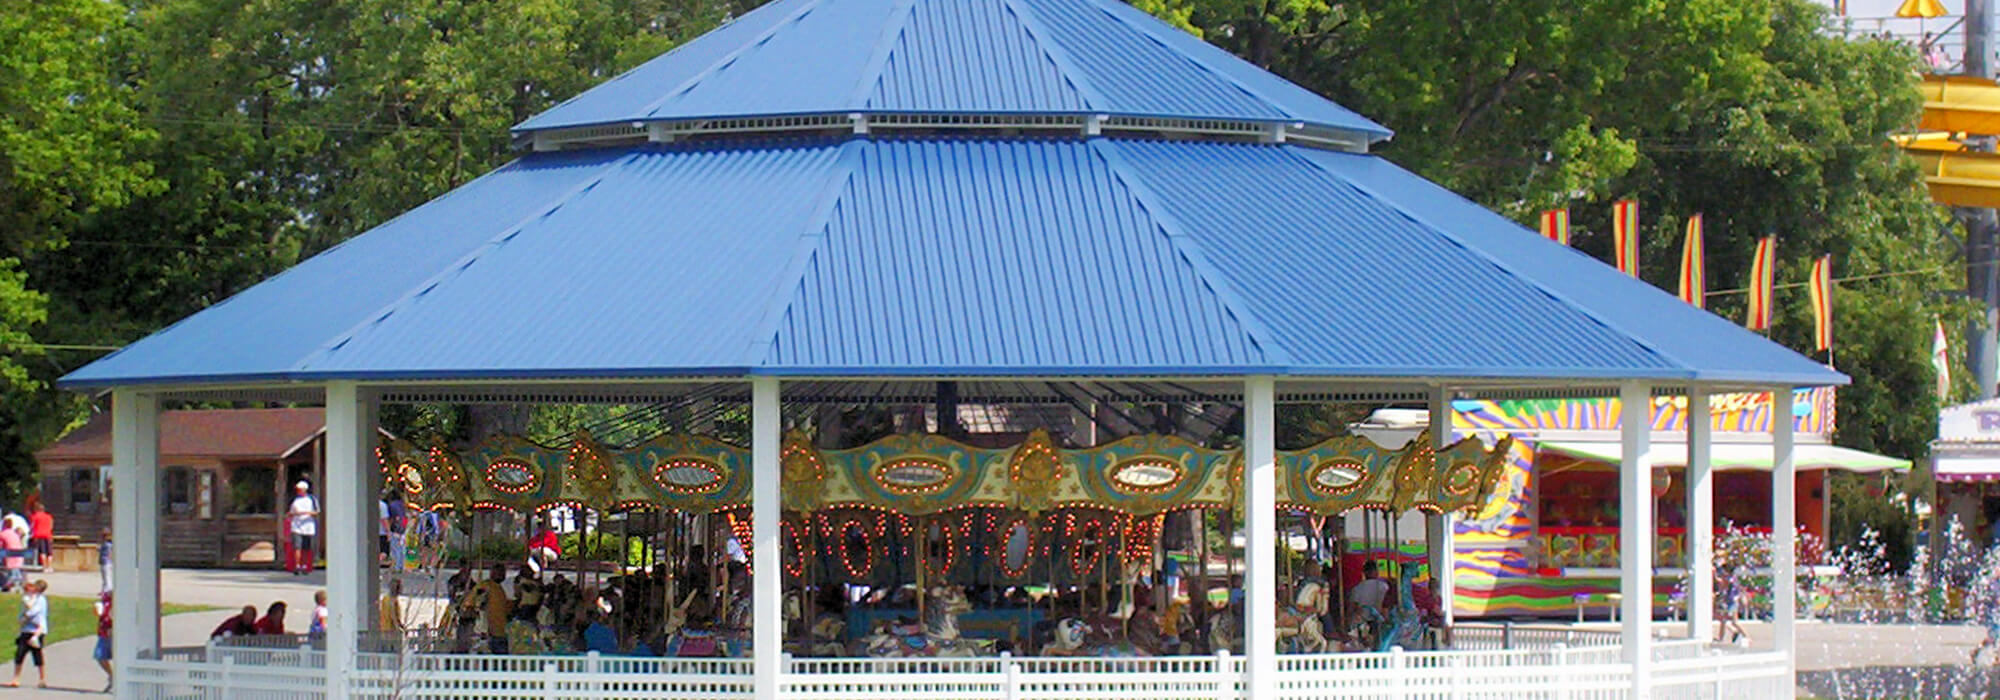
(1982, 228)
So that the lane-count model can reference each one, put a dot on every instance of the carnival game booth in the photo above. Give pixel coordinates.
(1547, 544)
(1965, 461)
(936, 201)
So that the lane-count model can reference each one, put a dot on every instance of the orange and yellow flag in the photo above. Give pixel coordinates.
(1694, 272)
(1555, 225)
(1625, 235)
(1761, 267)
(1821, 290)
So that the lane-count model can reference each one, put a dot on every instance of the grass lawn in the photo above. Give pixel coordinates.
(70, 618)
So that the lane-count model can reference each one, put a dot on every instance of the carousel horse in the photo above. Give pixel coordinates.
(938, 635)
(1299, 629)
(1405, 626)
(1222, 630)
(1070, 635)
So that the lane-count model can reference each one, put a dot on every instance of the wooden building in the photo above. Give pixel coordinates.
(226, 479)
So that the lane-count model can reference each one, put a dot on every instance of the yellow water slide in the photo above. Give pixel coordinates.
(1955, 106)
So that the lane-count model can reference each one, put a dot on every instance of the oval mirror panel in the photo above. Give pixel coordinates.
(1146, 475)
(1338, 476)
(912, 475)
(1016, 560)
(511, 476)
(688, 475)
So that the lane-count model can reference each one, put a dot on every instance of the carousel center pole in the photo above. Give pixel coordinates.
(768, 596)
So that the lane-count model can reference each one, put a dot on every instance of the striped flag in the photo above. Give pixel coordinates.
(1820, 288)
(1625, 235)
(1941, 360)
(1555, 225)
(1761, 267)
(1840, 7)
(1694, 272)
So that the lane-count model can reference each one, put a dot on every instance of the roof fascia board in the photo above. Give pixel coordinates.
(1190, 251)
(1057, 55)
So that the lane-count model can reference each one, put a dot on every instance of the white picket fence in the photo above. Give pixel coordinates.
(1681, 671)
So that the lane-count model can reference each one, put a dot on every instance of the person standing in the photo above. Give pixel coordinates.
(103, 651)
(396, 517)
(303, 520)
(34, 631)
(104, 560)
(42, 535)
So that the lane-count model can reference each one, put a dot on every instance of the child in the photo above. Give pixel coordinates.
(12, 552)
(103, 652)
(34, 629)
(317, 628)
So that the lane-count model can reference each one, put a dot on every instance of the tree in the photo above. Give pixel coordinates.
(68, 136)
(1745, 111)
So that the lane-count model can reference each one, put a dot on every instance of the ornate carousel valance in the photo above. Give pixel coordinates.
(922, 474)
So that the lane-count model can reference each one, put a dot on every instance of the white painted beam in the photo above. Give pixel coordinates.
(767, 640)
(1260, 480)
(135, 535)
(348, 522)
(1700, 486)
(1784, 535)
(1635, 533)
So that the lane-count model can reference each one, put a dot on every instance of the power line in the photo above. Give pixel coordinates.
(1855, 278)
(61, 346)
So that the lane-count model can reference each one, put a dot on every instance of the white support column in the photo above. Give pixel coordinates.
(1784, 534)
(1635, 532)
(1260, 508)
(135, 523)
(767, 640)
(1700, 488)
(1444, 550)
(347, 520)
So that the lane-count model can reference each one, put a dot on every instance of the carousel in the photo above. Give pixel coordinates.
(917, 545)
(944, 203)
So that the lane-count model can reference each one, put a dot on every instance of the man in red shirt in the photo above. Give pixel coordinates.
(42, 535)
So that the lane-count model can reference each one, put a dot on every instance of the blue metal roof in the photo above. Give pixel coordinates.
(993, 257)
(794, 57)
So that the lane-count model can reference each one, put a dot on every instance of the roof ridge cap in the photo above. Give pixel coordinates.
(464, 261)
(1054, 51)
(764, 336)
(1190, 251)
(892, 33)
(1489, 259)
(729, 58)
(1150, 35)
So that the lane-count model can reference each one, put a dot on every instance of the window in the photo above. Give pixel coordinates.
(253, 491)
(177, 491)
(83, 490)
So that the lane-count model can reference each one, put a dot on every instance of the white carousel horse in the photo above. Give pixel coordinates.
(1070, 633)
(1222, 630)
(938, 636)
(1299, 629)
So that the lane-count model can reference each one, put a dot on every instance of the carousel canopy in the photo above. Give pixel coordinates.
(941, 188)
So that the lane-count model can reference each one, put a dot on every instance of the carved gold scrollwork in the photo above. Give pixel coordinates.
(1033, 472)
(804, 473)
